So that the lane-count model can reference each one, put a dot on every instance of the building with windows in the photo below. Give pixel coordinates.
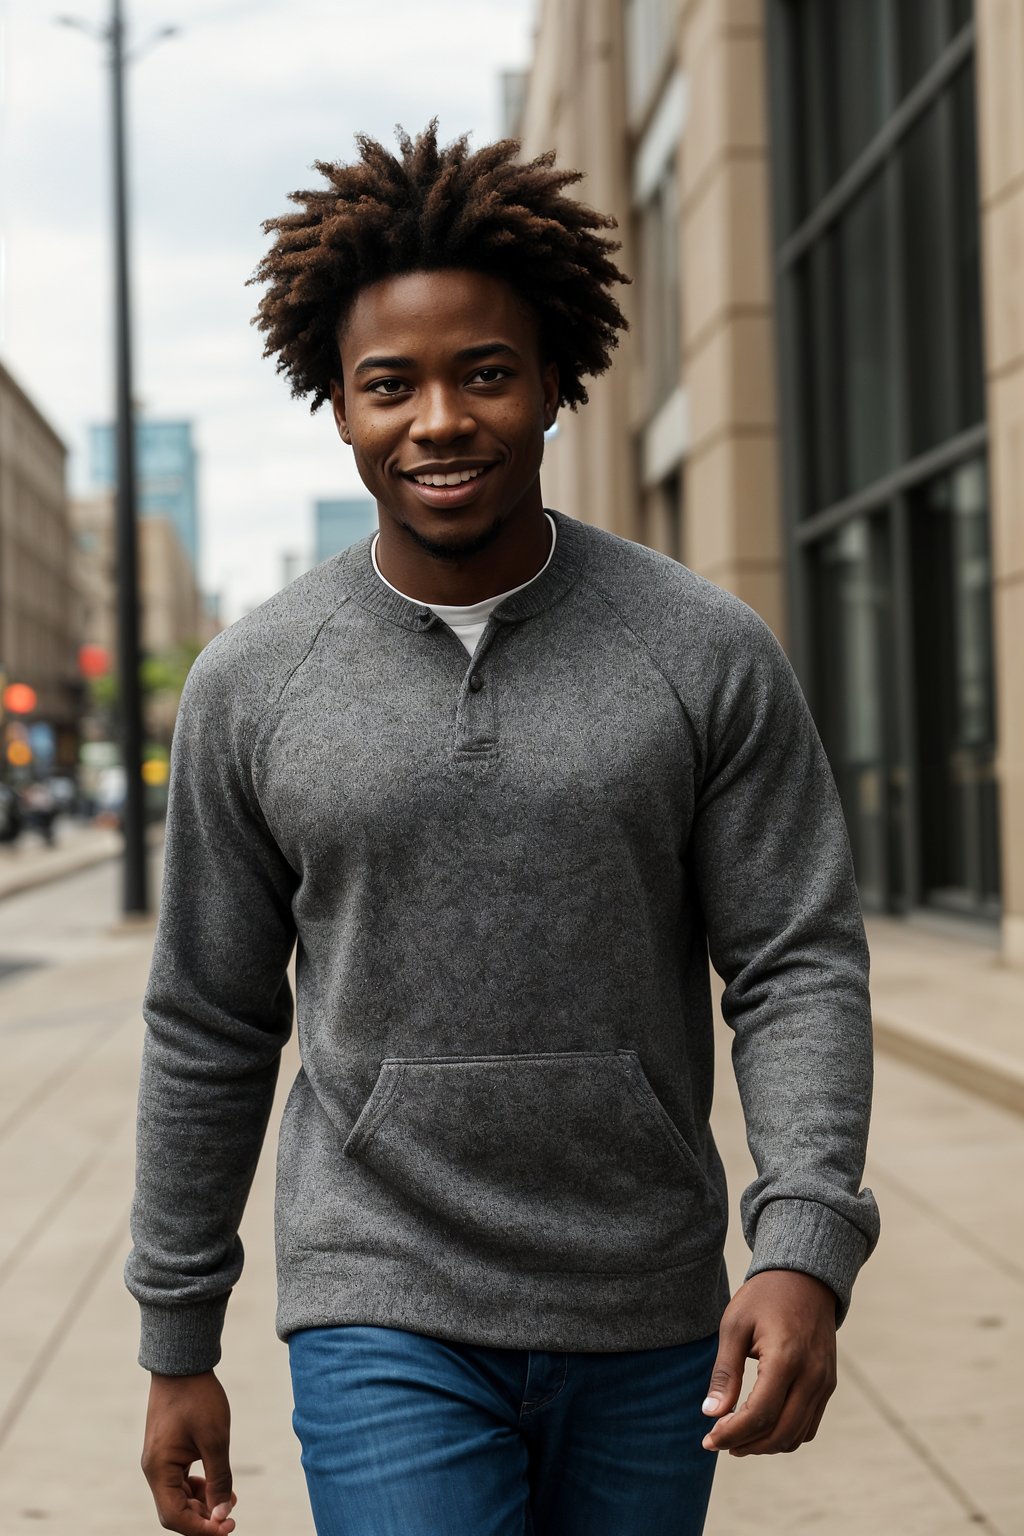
(339, 523)
(820, 403)
(38, 605)
(166, 469)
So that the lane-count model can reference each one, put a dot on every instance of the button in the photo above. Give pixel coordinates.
(424, 615)
(476, 682)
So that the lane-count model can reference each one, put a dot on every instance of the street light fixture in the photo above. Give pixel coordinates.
(136, 896)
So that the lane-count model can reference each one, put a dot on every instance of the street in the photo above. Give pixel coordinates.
(921, 1439)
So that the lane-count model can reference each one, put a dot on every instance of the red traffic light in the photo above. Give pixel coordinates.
(19, 698)
(93, 660)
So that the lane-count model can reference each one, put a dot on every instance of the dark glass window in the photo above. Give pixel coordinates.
(941, 295)
(840, 57)
(814, 289)
(882, 363)
(923, 28)
(866, 312)
(658, 239)
(952, 600)
(853, 608)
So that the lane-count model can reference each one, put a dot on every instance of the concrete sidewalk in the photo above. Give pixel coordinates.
(920, 1439)
(946, 1002)
(77, 845)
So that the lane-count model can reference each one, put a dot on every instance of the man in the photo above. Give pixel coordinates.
(505, 780)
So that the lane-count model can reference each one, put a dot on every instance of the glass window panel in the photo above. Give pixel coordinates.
(970, 370)
(660, 339)
(952, 604)
(865, 311)
(814, 314)
(923, 28)
(942, 293)
(963, 12)
(852, 648)
(838, 62)
(859, 38)
(929, 320)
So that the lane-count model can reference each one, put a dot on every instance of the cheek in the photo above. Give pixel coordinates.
(373, 441)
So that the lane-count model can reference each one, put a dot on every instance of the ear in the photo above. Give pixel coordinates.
(338, 407)
(549, 382)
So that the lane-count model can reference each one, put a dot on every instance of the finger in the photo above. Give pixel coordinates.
(175, 1508)
(788, 1434)
(817, 1417)
(217, 1492)
(727, 1373)
(757, 1417)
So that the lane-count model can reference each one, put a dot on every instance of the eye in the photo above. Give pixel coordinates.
(377, 387)
(492, 368)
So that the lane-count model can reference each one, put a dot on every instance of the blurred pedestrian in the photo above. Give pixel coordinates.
(505, 779)
(39, 804)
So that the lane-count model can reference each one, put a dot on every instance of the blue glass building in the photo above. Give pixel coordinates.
(337, 524)
(165, 465)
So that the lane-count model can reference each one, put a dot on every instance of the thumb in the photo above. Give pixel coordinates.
(727, 1374)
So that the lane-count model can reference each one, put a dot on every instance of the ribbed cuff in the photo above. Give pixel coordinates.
(182, 1340)
(813, 1238)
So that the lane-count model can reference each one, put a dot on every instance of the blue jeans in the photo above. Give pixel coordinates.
(404, 1435)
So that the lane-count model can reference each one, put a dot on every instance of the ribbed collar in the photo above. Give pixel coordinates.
(369, 591)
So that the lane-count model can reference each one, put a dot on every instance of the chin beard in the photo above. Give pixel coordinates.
(459, 549)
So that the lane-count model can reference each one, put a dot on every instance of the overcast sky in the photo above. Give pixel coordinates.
(225, 120)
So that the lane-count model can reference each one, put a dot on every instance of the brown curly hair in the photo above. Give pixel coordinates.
(439, 208)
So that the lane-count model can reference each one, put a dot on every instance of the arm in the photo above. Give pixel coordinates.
(218, 1010)
(772, 862)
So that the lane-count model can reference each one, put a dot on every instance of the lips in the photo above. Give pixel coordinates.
(450, 495)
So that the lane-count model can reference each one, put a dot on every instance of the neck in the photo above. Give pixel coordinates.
(517, 551)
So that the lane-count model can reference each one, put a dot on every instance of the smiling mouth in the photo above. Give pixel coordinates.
(450, 490)
(454, 477)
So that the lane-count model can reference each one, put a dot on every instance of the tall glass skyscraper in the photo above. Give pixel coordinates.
(165, 460)
(339, 523)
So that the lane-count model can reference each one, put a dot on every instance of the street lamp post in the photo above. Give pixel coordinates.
(135, 890)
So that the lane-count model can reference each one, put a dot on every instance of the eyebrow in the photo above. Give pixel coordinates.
(466, 355)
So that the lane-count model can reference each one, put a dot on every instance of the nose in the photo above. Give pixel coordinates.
(441, 416)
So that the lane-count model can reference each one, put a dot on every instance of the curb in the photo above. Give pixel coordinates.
(990, 1074)
(45, 873)
(60, 866)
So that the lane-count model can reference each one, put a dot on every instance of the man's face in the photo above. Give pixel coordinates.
(441, 375)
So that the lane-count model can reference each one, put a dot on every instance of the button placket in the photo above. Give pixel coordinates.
(476, 723)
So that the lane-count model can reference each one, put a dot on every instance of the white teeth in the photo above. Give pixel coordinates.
(458, 477)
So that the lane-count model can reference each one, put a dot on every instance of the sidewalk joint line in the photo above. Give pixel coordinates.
(860, 1377)
(37, 1370)
(28, 1239)
(59, 1075)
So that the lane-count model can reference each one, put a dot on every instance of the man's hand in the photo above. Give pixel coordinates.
(786, 1321)
(189, 1420)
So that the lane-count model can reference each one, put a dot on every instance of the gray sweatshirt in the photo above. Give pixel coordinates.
(503, 875)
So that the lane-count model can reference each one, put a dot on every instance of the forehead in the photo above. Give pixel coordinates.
(436, 312)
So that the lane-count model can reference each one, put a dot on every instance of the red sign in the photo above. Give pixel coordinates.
(19, 698)
(93, 660)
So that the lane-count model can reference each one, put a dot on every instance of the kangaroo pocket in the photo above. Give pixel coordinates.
(557, 1161)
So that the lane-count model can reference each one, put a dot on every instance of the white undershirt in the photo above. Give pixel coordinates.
(468, 622)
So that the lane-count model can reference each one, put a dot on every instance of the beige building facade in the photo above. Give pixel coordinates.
(38, 613)
(817, 205)
(172, 614)
(1000, 44)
